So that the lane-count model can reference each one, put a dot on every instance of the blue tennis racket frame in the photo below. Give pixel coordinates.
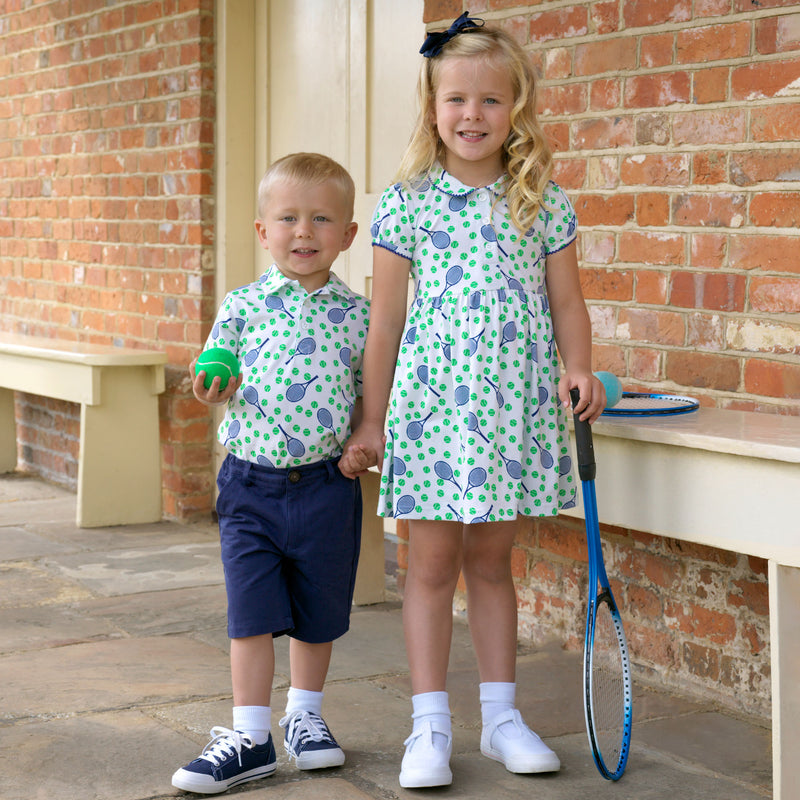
(597, 575)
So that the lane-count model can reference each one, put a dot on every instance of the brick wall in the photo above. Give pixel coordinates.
(675, 129)
(106, 205)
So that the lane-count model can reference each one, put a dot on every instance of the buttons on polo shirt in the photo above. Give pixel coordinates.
(294, 476)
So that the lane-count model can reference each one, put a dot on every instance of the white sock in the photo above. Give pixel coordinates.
(433, 707)
(495, 699)
(255, 721)
(303, 700)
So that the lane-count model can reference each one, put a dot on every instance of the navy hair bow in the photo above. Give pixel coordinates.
(433, 44)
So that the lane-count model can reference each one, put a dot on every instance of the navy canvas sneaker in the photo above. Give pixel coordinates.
(230, 758)
(309, 742)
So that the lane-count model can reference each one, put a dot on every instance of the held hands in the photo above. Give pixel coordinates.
(212, 396)
(591, 390)
(356, 460)
(364, 449)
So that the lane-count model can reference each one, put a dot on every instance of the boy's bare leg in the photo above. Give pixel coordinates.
(308, 664)
(252, 670)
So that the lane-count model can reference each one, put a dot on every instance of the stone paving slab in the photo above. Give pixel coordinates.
(124, 572)
(162, 612)
(35, 628)
(110, 756)
(98, 676)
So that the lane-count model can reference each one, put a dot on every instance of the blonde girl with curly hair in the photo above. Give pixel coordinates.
(476, 434)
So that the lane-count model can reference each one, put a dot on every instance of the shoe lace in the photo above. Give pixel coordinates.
(224, 743)
(302, 727)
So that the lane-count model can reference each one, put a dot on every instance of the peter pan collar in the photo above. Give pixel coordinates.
(442, 180)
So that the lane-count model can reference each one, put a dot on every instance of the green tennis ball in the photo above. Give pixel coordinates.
(218, 361)
(612, 386)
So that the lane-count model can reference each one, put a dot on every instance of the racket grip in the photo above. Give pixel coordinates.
(587, 469)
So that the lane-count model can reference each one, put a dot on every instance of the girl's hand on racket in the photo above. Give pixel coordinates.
(592, 393)
(212, 396)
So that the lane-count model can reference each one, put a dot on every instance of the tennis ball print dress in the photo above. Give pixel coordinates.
(475, 431)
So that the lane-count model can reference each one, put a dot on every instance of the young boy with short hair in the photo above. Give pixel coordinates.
(289, 501)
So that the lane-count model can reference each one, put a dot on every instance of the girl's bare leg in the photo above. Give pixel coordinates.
(434, 562)
(491, 598)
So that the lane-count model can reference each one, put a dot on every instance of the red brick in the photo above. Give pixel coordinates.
(710, 167)
(661, 89)
(772, 379)
(776, 123)
(705, 332)
(569, 173)
(775, 295)
(777, 34)
(607, 284)
(604, 16)
(596, 209)
(655, 170)
(655, 12)
(770, 253)
(700, 661)
(710, 127)
(558, 63)
(652, 208)
(560, 24)
(710, 85)
(715, 291)
(779, 209)
(614, 55)
(656, 50)
(713, 43)
(652, 646)
(645, 364)
(712, 210)
(770, 79)
(648, 325)
(708, 250)
(711, 8)
(703, 370)
(748, 168)
(750, 594)
(603, 133)
(651, 248)
(562, 100)
(605, 94)
(597, 247)
(651, 287)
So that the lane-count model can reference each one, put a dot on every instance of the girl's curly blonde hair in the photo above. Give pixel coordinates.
(527, 157)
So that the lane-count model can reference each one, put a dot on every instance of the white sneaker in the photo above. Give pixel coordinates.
(510, 741)
(427, 763)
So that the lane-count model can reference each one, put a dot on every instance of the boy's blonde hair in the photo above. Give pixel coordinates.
(310, 168)
(526, 153)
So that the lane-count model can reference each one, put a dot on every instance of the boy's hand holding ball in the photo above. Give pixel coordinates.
(220, 370)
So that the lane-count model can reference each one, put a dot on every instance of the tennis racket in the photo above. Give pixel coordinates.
(607, 686)
(645, 404)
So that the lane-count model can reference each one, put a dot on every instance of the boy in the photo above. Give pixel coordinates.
(289, 508)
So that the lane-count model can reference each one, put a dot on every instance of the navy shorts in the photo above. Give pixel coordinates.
(290, 542)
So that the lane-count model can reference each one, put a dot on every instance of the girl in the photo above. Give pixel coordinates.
(476, 434)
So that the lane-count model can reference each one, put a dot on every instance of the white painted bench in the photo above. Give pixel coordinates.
(730, 480)
(119, 467)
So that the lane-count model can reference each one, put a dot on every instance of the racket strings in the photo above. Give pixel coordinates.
(610, 688)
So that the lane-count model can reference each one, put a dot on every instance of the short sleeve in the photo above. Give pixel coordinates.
(392, 224)
(562, 223)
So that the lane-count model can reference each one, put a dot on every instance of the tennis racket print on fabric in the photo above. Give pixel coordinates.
(607, 685)
(646, 404)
